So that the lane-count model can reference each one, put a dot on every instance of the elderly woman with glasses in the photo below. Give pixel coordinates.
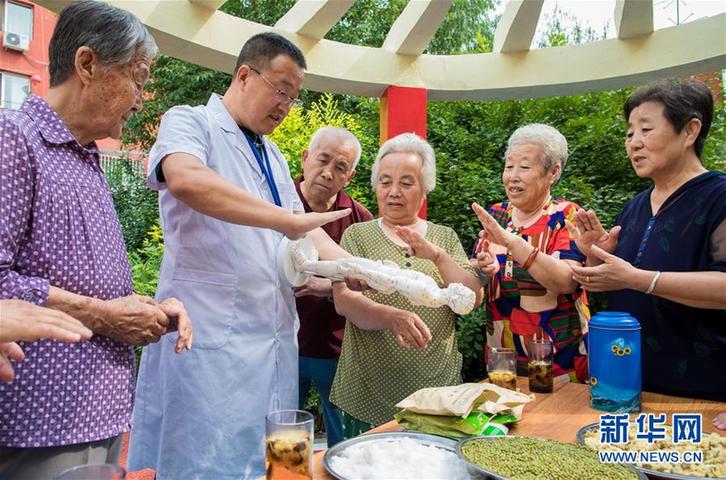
(664, 261)
(391, 348)
(526, 253)
(61, 247)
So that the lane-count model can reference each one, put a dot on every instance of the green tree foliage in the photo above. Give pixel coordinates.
(368, 21)
(294, 134)
(146, 262)
(136, 205)
(562, 29)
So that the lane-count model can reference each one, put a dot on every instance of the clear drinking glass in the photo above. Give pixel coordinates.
(540, 356)
(93, 472)
(289, 445)
(502, 367)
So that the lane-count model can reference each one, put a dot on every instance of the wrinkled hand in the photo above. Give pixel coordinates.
(486, 259)
(588, 231)
(418, 246)
(613, 274)
(178, 321)
(316, 286)
(301, 223)
(27, 322)
(495, 233)
(135, 320)
(409, 330)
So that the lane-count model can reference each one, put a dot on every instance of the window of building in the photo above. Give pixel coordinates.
(14, 89)
(17, 18)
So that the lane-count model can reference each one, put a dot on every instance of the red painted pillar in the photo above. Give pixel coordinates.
(403, 109)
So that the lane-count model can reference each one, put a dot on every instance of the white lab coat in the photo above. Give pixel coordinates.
(201, 413)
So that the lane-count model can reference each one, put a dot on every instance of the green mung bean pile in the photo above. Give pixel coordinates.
(522, 458)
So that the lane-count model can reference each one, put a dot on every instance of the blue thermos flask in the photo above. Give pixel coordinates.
(614, 362)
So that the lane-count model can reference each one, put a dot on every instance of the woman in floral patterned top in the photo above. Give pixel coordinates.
(526, 251)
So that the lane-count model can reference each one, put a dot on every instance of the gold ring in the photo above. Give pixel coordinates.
(587, 279)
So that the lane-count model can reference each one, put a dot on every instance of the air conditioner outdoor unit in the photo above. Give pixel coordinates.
(16, 41)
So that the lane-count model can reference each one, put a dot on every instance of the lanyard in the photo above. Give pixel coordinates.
(263, 161)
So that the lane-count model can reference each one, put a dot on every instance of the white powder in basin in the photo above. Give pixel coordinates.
(398, 459)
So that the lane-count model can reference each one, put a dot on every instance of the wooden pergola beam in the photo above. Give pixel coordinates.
(412, 31)
(633, 18)
(313, 18)
(517, 26)
(209, 4)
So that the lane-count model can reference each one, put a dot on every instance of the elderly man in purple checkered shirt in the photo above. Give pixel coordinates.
(61, 246)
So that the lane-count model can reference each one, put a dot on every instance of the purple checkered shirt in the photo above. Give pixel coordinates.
(58, 227)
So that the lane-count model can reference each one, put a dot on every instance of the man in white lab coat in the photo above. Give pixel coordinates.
(226, 199)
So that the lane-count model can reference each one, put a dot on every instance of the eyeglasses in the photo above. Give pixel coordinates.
(284, 97)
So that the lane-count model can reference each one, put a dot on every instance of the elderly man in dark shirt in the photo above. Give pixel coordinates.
(328, 166)
(61, 246)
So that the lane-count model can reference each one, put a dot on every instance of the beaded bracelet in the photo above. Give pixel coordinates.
(530, 260)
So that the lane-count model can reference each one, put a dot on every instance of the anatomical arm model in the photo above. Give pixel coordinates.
(299, 260)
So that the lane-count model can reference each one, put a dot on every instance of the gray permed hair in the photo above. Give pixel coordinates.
(553, 143)
(115, 35)
(409, 143)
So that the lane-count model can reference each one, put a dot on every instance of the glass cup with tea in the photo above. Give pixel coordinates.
(289, 445)
(502, 367)
(540, 359)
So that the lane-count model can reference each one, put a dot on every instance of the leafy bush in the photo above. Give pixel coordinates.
(314, 405)
(294, 134)
(136, 205)
(146, 262)
(471, 334)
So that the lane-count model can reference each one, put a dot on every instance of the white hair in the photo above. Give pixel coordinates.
(341, 133)
(553, 143)
(409, 143)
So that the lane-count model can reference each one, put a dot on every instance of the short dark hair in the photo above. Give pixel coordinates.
(115, 35)
(259, 51)
(683, 100)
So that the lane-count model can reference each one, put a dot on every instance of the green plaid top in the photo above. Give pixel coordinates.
(374, 373)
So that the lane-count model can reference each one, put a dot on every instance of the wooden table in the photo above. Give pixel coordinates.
(559, 415)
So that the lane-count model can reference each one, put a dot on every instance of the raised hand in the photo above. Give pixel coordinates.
(301, 223)
(588, 231)
(418, 246)
(486, 259)
(179, 321)
(495, 233)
